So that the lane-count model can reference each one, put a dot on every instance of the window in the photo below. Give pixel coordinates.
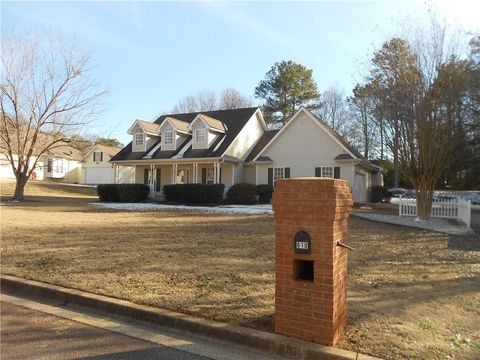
(50, 165)
(168, 137)
(301, 122)
(139, 137)
(97, 156)
(278, 173)
(200, 132)
(326, 172)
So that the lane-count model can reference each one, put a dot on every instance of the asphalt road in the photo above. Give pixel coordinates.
(28, 334)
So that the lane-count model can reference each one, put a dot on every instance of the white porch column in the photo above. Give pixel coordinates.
(214, 173)
(115, 177)
(134, 179)
(174, 174)
(233, 174)
(256, 174)
(194, 175)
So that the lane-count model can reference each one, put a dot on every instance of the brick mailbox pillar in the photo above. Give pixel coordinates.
(311, 218)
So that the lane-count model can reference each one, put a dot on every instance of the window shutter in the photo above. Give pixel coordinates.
(158, 180)
(145, 176)
(270, 176)
(220, 179)
(336, 172)
(318, 172)
(204, 175)
(287, 173)
(101, 156)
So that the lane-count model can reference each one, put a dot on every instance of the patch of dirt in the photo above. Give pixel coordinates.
(413, 294)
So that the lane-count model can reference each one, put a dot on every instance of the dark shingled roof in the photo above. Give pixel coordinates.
(343, 157)
(261, 143)
(234, 119)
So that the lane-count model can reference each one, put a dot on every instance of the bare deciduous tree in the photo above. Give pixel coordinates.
(233, 99)
(207, 100)
(334, 108)
(47, 97)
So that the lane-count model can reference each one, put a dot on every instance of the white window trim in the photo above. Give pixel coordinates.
(171, 137)
(95, 153)
(323, 170)
(201, 131)
(275, 168)
(139, 140)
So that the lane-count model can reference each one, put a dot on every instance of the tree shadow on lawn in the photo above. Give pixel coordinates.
(394, 298)
(47, 201)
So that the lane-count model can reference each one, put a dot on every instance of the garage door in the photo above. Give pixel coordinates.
(99, 176)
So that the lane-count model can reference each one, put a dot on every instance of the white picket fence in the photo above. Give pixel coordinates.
(444, 208)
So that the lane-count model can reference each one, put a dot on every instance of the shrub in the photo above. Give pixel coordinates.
(122, 192)
(242, 193)
(107, 192)
(379, 194)
(194, 193)
(132, 192)
(264, 193)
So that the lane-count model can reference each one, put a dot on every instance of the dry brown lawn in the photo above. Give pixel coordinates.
(413, 294)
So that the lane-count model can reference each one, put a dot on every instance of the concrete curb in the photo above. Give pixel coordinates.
(261, 340)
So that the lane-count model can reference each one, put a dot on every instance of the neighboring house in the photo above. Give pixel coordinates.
(96, 168)
(60, 164)
(232, 146)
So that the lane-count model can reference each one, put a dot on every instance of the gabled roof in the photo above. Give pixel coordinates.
(148, 127)
(179, 125)
(261, 143)
(210, 122)
(234, 120)
(109, 150)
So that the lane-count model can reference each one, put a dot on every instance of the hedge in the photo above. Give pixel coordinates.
(194, 193)
(122, 192)
(379, 194)
(242, 193)
(264, 193)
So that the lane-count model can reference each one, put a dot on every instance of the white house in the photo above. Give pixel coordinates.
(232, 146)
(97, 169)
(60, 164)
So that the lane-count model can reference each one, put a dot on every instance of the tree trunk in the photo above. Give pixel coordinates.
(424, 200)
(20, 187)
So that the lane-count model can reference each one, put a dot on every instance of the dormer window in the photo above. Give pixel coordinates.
(168, 137)
(97, 156)
(200, 133)
(139, 138)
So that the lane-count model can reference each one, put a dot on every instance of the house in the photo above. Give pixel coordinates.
(97, 169)
(59, 164)
(232, 146)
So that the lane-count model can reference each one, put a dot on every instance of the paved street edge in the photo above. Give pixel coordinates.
(260, 340)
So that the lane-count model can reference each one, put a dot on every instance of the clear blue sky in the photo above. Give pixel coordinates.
(152, 54)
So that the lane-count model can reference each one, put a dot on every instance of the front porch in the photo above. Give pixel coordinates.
(157, 174)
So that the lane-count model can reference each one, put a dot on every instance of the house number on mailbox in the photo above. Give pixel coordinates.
(303, 244)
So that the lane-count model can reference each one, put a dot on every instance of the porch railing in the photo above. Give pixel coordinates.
(441, 208)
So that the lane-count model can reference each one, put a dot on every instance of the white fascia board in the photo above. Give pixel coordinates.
(129, 131)
(199, 118)
(168, 161)
(311, 116)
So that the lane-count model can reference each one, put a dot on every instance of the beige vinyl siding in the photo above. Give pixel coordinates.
(137, 148)
(249, 172)
(302, 148)
(246, 138)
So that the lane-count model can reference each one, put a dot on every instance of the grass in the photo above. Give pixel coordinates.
(413, 294)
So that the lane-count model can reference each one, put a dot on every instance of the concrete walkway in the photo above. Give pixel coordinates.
(441, 225)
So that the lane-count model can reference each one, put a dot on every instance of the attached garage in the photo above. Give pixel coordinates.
(99, 175)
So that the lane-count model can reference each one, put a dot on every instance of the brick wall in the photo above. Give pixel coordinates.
(311, 310)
